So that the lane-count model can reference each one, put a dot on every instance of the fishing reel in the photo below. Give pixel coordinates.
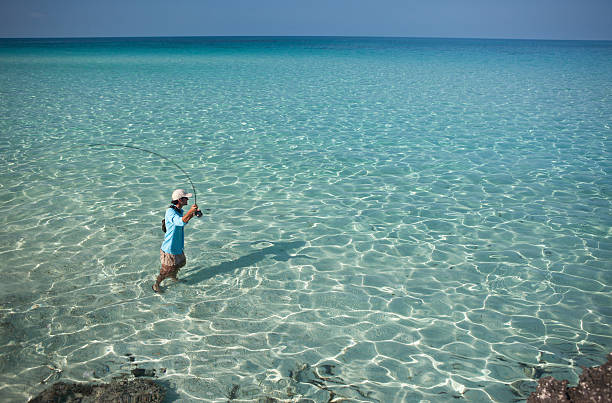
(198, 213)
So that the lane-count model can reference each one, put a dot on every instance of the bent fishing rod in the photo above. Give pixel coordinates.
(198, 212)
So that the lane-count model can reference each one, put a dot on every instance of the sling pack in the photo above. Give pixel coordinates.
(172, 206)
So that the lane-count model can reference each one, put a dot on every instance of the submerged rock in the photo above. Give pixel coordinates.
(118, 390)
(595, 385)
(138, 372)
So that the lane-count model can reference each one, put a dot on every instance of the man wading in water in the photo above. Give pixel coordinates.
(171, 254)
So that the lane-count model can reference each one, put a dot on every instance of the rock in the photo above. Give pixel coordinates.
(118, 390)
(550, 390)
(594, 385)
(138, 372)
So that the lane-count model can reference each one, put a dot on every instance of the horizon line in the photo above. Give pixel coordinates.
(300, 36)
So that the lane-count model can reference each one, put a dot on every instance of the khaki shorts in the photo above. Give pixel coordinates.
(171, 263)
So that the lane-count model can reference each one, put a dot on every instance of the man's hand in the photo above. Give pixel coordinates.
(190, 213)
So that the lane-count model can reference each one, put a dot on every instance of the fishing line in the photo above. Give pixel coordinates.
(195, 197)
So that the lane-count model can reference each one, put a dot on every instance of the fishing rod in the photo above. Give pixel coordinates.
(198, 213)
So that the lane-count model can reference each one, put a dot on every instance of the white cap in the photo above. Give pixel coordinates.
(178, 193)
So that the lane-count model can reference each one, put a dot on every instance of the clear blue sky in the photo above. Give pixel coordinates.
(537, 19)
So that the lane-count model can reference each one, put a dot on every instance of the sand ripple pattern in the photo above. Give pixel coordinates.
(386, 220)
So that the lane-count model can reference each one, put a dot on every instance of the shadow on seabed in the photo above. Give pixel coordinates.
(278, 250)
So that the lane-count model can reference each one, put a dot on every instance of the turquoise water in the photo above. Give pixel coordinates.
(387, 220)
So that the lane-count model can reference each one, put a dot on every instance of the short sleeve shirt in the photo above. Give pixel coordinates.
(174, 240)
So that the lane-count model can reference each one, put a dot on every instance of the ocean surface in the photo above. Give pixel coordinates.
(386, 220)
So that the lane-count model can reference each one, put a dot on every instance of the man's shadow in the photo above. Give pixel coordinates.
(278, 250)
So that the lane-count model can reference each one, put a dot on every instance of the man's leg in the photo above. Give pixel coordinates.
(158, 281)
(164, 273)
(181, 261)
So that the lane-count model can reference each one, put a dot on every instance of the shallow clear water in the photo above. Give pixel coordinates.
(386, 219)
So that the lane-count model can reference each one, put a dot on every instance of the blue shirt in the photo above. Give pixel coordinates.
(174, 240)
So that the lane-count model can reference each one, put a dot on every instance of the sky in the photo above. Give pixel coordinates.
(520, 19)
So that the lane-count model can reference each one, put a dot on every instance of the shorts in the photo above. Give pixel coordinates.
(170, 264)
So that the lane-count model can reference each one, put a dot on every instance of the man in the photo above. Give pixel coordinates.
(172, 255)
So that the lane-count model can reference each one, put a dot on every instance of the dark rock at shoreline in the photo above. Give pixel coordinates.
(595, 385)
(118, 390)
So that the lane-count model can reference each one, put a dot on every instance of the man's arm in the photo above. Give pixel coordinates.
(189, 215)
